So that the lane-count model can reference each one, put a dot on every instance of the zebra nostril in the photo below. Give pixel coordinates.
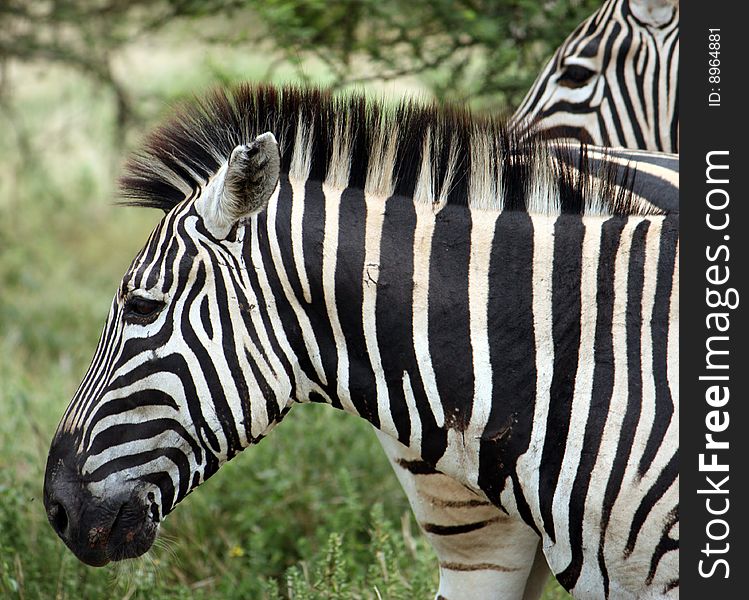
(58, 517)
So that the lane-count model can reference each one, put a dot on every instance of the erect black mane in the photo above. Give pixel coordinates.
(188, 149)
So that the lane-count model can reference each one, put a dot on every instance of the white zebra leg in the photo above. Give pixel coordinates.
(483, 553)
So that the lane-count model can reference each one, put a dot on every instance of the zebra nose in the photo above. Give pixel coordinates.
(58, 518)
(63, 503)
(81, 522)
(69, 506)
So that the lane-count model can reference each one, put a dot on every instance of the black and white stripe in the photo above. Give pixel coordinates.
(614, 80)
(627, 48)
(506, 309)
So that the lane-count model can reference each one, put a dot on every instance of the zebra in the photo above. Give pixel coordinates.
(591, 90)
(441, 504)
(495, 303)
(614, 80)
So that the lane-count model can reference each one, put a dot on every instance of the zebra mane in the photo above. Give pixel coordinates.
(434, 154)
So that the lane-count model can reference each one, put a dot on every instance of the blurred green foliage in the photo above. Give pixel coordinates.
(485, 51)
(315, 512)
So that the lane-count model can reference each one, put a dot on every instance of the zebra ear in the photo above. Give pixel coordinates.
(654, 12)
(247, 185)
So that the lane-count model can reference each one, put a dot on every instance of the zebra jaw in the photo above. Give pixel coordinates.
(243, 187)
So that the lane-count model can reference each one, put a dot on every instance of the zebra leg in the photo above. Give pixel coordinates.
(483, 553)
(538, 576)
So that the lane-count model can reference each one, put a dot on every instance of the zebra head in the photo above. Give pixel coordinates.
(613, 81)
(156, 413)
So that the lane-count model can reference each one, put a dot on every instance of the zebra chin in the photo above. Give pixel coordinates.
(98, 529)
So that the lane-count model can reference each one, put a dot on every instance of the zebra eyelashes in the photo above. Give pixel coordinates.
(575, 76)
(140, 310)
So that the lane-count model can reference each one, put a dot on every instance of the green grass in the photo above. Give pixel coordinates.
(314, 512)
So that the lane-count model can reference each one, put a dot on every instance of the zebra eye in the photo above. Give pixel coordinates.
(142, 310)
(575, 76)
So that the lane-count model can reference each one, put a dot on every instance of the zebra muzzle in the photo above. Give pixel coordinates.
(97, 530)
(102, 531)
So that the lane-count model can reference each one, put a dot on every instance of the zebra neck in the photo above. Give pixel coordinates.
(451, 331)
